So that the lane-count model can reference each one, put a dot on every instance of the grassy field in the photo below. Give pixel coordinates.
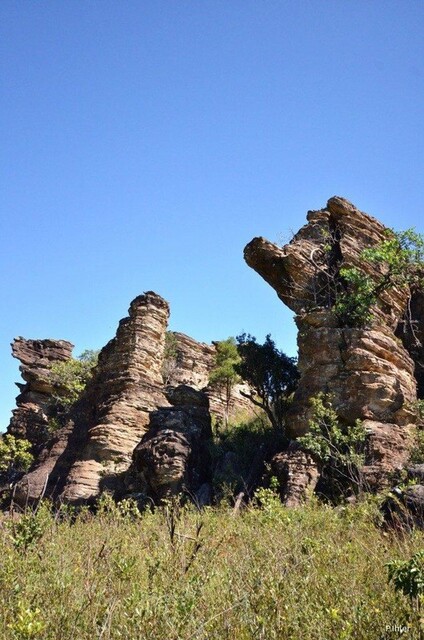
(312, 573)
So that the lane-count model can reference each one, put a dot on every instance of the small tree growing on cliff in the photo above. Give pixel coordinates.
(170, 356)
(271, 374)
(71, 376)
(224, 374)
(398, 260)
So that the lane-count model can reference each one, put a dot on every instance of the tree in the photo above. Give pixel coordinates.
(224, 375)
(70, 377)
(338, 448)
(270, 372)
(170, 356)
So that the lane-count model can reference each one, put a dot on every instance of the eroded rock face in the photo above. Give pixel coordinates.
(368, 372)
(173, 456)
(34, 404)
(126, 387)
(297, 473)
(94, 448)
(192, 366)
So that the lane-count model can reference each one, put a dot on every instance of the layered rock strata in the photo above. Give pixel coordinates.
(30, 419)
(94, 448)
(367, 372)
(173, 454)
(192, 365)
(126, 387)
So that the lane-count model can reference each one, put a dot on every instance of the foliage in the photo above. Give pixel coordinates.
(395, 262)
(417, 451)
(250, 443)
(170, 356)
(15, 456)
(271, 373)
(224, 374)
(70, 377)
(27, 624)
(338, 448)
(267, 573)
(28, 530)
(407, 576)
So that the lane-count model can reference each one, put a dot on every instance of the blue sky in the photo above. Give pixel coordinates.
(144, 143)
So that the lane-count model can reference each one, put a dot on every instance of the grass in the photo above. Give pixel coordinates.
(177, 574)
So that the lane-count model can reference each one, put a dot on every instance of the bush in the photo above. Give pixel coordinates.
(70, 377)
(338, 448)
(15, 456)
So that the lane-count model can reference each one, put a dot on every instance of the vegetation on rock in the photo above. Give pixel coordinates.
(70, 377)
(338, 448)
(397, 261)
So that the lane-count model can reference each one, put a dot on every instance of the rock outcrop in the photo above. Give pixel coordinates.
(297, 473)
(94, 449)
(368, 372)
(173, 454)
(192, 365)
(30, 420)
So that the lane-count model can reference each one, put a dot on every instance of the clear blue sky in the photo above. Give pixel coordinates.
(145, 142)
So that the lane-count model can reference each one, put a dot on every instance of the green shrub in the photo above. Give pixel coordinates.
(70, 377)
(338, 448)
(15, 456)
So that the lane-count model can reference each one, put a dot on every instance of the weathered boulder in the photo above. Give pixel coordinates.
(173, 456)
(368, 372)
(297, 474)
(30, 420)
(404, 508)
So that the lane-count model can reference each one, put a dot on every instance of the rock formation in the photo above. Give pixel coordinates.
(173, 453)
(297, 474)
(95, 447)
(368, 372)
(30, 420)
(192, 365)
(125, 404)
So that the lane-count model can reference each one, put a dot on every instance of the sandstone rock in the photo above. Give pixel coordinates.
(172, 456)
(404, 509)
(297, 474)
(94, 448)
(34, 404)
(126, 387)
(368, 372)
(192, 365)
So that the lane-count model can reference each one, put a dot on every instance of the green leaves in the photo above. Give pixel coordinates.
(14, 454)
(339, 448)
(271, 373)
(395, 262)
(407, 576)
(71, 376)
